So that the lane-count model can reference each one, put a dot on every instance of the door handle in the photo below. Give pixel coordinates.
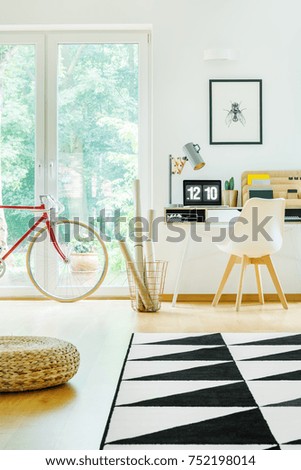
(51, 167)
(40, 169)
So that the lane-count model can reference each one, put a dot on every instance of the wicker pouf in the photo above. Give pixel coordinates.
(35, 362)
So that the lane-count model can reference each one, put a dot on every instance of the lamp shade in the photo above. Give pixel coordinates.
(191, 151)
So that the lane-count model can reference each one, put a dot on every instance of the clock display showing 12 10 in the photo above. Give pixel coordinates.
(202, 192)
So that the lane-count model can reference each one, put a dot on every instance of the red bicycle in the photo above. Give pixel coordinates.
(66, 260)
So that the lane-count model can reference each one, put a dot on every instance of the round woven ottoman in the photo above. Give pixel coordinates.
(35, 362)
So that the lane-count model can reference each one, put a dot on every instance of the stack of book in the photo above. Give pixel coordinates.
(260, 186)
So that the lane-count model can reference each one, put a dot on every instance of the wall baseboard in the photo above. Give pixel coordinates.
(184, 298)
(41, 299)
(230, 297)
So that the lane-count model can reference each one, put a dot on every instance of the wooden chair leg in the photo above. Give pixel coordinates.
(259, 283)
(276, 281)
(244, 263)
(227, 272)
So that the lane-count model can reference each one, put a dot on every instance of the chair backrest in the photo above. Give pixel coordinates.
(259, 229)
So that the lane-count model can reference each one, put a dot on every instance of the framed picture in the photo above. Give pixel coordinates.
(235, 112)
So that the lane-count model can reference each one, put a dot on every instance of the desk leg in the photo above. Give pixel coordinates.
(179, 275)
(297, 227)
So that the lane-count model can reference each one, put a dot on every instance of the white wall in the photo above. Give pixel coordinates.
(267, 34)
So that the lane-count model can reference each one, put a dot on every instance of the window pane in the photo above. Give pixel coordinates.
(98, 135)
(17, 152)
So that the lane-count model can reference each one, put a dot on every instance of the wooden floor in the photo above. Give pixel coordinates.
(73, 416)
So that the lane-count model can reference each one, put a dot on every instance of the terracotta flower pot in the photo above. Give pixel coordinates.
(84, 262)
(229, 197)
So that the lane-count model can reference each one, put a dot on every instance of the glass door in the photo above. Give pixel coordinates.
(98, 92)
(21, 147)
(74, 123)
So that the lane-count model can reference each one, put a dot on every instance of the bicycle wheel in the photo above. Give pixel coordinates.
(76, 277)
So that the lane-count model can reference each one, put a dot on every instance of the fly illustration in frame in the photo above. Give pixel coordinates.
(235, 111)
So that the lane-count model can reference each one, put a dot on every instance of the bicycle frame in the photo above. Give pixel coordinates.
(44, 218)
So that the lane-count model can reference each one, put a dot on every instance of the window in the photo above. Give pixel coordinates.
(93, 143)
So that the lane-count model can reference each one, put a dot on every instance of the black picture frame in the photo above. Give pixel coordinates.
(202, 183)
(235, 112)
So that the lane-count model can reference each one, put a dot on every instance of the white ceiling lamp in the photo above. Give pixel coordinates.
(220, 54)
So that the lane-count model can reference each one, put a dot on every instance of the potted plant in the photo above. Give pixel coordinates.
(83, 257)
(229, 195)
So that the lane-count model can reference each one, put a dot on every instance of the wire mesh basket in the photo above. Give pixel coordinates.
(146, 285)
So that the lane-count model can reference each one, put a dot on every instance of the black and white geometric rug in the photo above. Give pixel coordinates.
(208, 391)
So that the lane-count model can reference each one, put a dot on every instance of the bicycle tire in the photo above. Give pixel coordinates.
(65, 283)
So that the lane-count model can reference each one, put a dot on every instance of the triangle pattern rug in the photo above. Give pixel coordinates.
(208, 391)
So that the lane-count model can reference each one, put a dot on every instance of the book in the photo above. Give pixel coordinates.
(263, 182)
(262, 193)
(258, 176)
(260, 187)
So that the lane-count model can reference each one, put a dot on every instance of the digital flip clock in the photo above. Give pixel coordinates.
(202, 192)
(197, 196)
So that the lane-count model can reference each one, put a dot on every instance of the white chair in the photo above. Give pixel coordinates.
(246, 246)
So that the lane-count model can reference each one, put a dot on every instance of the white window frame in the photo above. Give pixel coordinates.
(38, 40)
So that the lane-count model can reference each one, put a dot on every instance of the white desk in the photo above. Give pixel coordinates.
(224, 215)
